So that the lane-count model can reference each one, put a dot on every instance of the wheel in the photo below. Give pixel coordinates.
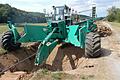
(8, 42)
(92, 45)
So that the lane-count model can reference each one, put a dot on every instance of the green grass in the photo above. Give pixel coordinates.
(44, 74)
(2, 51)
(4, 28)
(59, 76)
(87, 77)
(41, 24)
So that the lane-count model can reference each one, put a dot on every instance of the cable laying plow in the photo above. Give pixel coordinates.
(82, 34)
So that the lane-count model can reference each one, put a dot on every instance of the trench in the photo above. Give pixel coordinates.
(63, 58)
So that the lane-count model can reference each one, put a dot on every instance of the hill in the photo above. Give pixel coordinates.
(19, 16)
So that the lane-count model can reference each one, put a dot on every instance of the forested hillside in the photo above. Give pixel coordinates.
(19, 16)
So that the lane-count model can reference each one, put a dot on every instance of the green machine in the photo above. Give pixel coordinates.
(82, 34)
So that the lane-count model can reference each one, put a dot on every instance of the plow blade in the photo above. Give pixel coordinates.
(33, 33)
(45, 48)
(43, 51)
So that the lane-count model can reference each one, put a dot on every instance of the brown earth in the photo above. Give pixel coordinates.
(103, 30)
(71, 60)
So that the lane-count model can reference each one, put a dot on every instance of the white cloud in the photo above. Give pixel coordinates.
(117, 4)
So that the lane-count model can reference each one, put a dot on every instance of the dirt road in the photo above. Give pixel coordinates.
(107, 67)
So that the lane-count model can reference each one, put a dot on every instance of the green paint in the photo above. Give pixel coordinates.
(14, 30)
(34, 33)
(72, 36)
(44, 51)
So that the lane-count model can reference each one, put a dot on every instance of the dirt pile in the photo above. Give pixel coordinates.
(103, 30)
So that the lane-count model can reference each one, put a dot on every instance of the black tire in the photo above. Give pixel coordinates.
(8, 42)
(92, 45)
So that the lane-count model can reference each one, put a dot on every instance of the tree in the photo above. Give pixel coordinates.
(113, 14)
(9, 13)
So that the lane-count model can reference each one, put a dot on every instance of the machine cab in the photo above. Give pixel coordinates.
(62, 13)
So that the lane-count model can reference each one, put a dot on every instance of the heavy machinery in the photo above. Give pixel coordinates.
(82, 34)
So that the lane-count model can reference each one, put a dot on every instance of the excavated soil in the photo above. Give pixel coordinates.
(10, 58)
(63, 57)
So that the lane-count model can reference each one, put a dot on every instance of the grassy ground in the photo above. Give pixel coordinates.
(41, 24)
(4, 28)
(115, 24)
(44, 74)
(2, 51)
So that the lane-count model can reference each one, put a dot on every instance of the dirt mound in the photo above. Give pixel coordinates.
(103, 29)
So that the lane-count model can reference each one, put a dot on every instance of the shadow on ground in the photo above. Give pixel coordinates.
(105, 52)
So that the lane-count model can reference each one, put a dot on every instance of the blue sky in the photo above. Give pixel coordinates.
(78, 5)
